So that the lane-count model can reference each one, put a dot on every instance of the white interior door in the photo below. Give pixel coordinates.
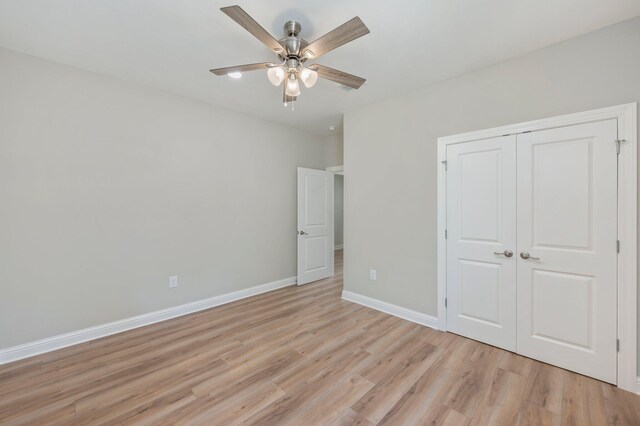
(315, 225)
(481, 240)
(567, 255)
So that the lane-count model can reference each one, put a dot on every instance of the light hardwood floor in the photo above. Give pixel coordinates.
(300, 355)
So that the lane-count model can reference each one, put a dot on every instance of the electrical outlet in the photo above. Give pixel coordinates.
(173, 281)
(373, 275)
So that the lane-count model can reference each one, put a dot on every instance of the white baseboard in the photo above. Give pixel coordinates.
(638, 385)
(395, 310)
(73, 338)
(338, 247)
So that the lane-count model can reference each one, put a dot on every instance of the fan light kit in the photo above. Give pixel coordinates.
(293, 52)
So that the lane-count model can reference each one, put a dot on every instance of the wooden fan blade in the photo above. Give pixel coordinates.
(345, 33)
(242, 68)
(248, 23)
(338, 76)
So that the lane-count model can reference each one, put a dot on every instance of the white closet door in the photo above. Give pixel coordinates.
(567, 224)
(481, 227)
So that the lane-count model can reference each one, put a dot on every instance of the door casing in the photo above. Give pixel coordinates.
(626, 116)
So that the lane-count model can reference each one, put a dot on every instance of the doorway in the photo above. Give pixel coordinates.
(320, 222)
(338, 206)
(338, 209)
(315, 225)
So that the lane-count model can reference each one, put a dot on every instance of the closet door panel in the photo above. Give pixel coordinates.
(481, 202)
(567, 247)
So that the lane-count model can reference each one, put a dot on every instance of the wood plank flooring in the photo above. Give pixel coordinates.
(301, 356)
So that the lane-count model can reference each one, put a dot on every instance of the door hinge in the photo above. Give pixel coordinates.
(445, 302)
(446, 234)
(618, 345)
(618, 142)
(444, 162)
(618, 246)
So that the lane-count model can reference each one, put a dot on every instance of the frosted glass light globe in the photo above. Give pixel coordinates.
(308, 77)
(276, 75)
(293, 87)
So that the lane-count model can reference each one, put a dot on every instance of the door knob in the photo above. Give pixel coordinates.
(302, 233)
(506, 253)
(525, 255)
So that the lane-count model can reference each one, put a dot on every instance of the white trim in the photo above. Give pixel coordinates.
(442, 228)
(627, 219)
(395, 310)
(337, 170)
(638, 385)
(617, 112)
(68, 339)
(338, 247)
(628, 257)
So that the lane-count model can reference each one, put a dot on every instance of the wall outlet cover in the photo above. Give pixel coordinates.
(173, 281)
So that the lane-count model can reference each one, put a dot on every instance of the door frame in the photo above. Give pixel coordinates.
(627, 116)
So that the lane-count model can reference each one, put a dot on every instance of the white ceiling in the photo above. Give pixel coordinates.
(171, 44)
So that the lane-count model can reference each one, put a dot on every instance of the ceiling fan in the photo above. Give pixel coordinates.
(293, 52)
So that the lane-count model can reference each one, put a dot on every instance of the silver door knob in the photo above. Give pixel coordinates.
(302, 233)
(507, 253)
(525, 255)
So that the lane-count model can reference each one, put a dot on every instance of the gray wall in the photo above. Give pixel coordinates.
(334, 156)
(107, 188)
(390, 149)
(334, 152)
